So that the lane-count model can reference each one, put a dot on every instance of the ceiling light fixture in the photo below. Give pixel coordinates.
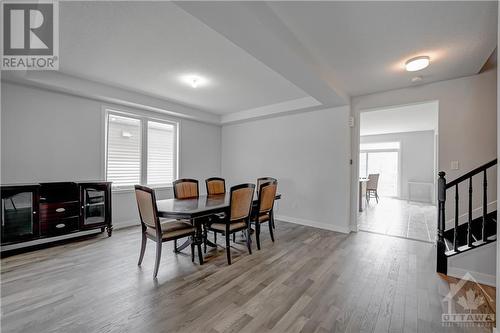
(417, 63)
(193, 80)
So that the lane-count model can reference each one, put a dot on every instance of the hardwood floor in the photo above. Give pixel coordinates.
(310, 280)
(395, 217)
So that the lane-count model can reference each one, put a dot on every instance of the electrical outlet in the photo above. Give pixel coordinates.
(454, 165)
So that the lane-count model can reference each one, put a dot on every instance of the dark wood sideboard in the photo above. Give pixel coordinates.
(45, 211)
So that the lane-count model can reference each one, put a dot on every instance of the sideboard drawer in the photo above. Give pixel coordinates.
(59, 226)
(55, 211)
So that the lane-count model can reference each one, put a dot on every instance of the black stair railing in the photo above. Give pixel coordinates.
(443, 186)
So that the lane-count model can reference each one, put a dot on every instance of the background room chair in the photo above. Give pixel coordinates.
(159, 230)
(238, 217)
(263, 213)
(215, 186)
(371, 187)
(261, 181)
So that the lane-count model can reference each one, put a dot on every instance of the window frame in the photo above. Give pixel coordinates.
(144, 121)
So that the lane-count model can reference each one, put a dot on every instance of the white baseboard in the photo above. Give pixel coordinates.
(314, 224)
(495, 330)
(487, 279)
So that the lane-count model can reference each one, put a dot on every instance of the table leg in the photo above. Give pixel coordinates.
(360, 196)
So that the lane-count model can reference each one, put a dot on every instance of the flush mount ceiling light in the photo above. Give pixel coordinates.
(417, 63)
(193, 80)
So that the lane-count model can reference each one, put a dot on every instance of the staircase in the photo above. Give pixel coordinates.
(475, 232)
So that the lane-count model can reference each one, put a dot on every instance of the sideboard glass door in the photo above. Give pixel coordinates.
(94, 205)
(19, 216)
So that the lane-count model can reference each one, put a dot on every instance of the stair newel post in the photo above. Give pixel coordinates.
(485, 206)
(455, 232)
(469, 223)
(441, 246)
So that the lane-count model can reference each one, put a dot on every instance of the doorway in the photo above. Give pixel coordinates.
(397, 171)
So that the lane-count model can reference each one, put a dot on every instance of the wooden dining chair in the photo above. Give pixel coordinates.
(372, 187)
(261, 181)
(265, 204)
(238, 216)
(185, 188)
(215, 186)
(156, 229)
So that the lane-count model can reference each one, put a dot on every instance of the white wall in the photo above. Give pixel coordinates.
(307, 152)
(480, 263)
(467, 122)
(48, 136)
(416, 160)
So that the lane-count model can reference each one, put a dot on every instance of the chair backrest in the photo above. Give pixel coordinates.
(267, 194)
(241, 201)
(263, 180)
(185, 188)
(215, 186)
(146, 202)
(372, 183)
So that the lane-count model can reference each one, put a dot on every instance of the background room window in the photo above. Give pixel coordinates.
(381, 158)
(161, 153)
(140, 150)
(124, 151)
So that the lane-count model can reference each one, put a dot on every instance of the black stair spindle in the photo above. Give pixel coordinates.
(455, 233)
(485, 206)
(442, 264)
(469, 224)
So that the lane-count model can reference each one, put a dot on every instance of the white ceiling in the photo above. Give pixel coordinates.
(363, 45)
(265, 58)
(147, 46)
(406, 118)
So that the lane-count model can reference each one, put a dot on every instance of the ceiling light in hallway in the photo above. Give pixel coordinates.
(417, 63)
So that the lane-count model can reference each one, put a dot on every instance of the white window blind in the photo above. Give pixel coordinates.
(161, 153)
(123, 151)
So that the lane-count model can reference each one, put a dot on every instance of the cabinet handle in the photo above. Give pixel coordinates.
(60, 225)
(60, 210)
(83, 207)
(34, 213)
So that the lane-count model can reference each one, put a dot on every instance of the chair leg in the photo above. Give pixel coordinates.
(257, 234)
(228, 249)
(376, 196)
(249, 241)
(271, 217)
(175, 246)
(215, 237)
(143, 248)
(158, 256)
(192, 250)
(271, 230)
(234, 238)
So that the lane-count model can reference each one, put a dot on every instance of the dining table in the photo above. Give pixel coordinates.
(198, 210)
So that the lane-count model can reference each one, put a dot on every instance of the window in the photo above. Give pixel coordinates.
(381, 158)
(140, 150)
(160, 153)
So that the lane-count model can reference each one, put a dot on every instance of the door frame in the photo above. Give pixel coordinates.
(355, 151)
